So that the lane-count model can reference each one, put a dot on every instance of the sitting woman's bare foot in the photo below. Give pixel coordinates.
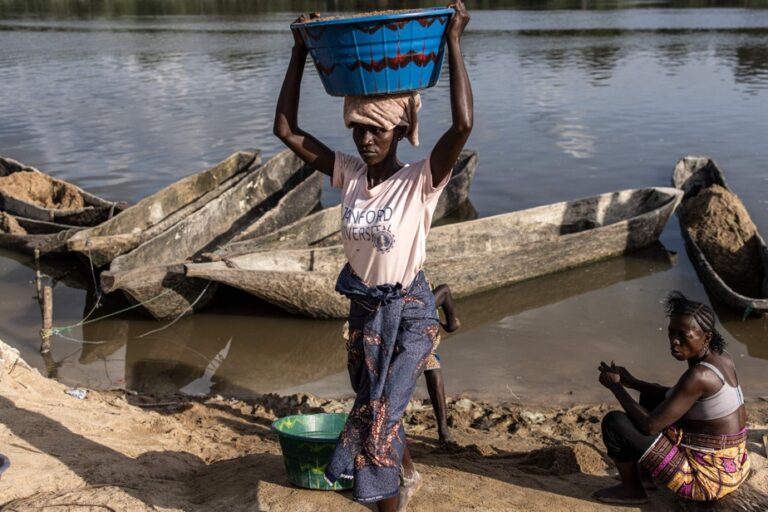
(645, 479)
(620, 495)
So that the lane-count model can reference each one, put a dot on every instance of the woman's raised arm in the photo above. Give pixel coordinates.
(449, 146)
(286, 128)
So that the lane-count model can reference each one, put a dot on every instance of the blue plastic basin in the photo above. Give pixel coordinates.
(379, 54)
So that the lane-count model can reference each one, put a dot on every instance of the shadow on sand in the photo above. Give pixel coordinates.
(162, 479)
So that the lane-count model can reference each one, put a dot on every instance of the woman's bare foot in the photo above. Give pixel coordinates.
(444, 435)
(645, 479)
(410, 485)
(620, 495)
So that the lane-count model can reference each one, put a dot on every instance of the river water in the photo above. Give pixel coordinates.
(124, 97)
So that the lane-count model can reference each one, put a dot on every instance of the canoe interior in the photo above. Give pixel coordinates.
(692, 174)
(164, 203)
(695, 173)
(95, 209)
(237, 209)
(504, 232)
(157, 213)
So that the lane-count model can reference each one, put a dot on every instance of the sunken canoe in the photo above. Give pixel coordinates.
(29, 193)
(322, 228)
(508, 248)
(265, 198)
(158, 212)
(693, 175)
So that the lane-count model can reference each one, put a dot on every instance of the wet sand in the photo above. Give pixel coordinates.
(117, 451)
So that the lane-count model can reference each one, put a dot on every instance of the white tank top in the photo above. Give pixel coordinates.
(726, 400)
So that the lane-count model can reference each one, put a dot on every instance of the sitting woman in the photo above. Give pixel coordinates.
(690, 437)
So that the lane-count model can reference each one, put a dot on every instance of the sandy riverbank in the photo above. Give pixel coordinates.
(115, 451)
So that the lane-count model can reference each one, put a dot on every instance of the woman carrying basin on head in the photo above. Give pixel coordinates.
(387, 211)
(691, 437)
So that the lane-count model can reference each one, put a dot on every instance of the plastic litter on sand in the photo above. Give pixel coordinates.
(78, 393)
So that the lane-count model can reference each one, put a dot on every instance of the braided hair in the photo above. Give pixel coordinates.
(677, 304)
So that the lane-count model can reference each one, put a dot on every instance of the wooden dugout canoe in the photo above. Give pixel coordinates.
(263, 199)
(158, 212)
(94, 209)
(693, 174)
(47, 237)
(469, 256)
(322, 228)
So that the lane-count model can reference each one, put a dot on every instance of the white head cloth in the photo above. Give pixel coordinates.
(385, 112)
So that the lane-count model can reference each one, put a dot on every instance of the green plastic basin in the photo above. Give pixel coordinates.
(307, 442)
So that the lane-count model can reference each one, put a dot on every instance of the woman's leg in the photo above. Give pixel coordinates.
(388, 505)
(436, 390)
(444, 299)
(416, 340)
(625, 445)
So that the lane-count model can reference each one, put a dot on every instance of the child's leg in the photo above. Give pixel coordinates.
(436, 390)
(444, 299)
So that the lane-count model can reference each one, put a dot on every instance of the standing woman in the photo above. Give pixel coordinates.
(387, 210)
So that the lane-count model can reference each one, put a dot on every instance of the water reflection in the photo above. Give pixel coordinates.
(496, 305)
(238, 349)
(600, 61)
(751, 64)
(752, 332)
(245, 347)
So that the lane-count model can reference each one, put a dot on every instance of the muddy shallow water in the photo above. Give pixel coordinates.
(569, 103)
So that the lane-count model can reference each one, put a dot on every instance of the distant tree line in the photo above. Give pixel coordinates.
(116, 8)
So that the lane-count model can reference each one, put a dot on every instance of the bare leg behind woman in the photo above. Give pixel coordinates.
(444, 300)
(434, 376)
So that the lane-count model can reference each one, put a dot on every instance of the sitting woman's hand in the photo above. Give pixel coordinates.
(626, 378)
(608, 376)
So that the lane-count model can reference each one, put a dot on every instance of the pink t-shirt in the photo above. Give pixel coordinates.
(384, 229)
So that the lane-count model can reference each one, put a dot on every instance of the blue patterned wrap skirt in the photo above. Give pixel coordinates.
(391, 335)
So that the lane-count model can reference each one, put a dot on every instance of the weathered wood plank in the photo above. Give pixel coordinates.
(279, 192)
(47, 237)
(158, 212)
(241, 204)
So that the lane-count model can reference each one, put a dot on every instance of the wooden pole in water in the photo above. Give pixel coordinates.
(47, 307)
(38, 276)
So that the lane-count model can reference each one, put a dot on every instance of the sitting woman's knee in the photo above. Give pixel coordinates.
(613, 422)
(613, 417)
